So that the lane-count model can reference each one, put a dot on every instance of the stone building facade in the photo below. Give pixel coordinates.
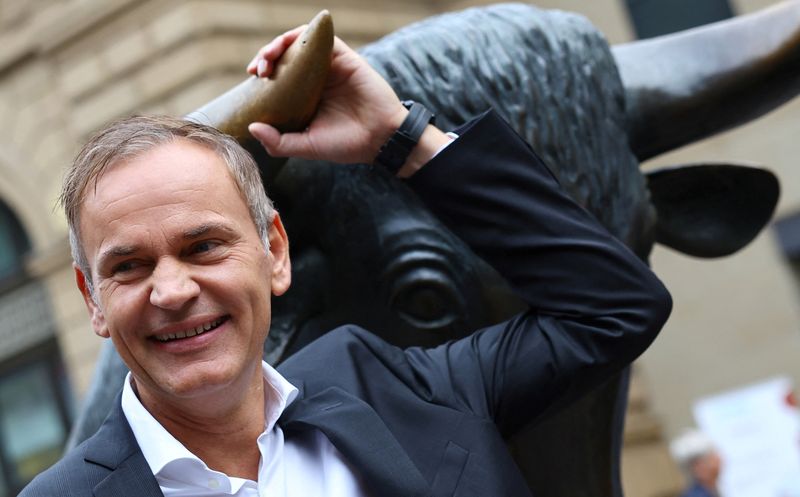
(69, 66)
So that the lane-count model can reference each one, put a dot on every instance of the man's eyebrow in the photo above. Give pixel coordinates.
(117, 251)
(204, 229)
(190, 234)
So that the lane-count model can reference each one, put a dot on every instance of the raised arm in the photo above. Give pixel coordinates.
(593, 305)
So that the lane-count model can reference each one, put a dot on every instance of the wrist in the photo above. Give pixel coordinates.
(432, 141)
(402, 149)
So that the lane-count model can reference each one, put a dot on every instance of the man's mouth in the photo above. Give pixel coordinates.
(197, 330)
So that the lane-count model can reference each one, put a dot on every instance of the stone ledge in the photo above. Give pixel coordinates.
(76, 20)
(55, 27)
(187, 23)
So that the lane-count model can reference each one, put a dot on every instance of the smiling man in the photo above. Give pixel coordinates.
(178, 252)
(182, 278)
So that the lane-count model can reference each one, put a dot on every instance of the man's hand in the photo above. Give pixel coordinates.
(358, 112)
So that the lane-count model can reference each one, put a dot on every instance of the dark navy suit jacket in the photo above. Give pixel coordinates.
(420, 422)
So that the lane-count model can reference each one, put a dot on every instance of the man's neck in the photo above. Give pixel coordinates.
(222, 430)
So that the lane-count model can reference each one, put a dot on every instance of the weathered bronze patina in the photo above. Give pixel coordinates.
(288, 98)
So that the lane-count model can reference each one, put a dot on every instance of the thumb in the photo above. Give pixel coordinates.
(267, 135)
(282, 145)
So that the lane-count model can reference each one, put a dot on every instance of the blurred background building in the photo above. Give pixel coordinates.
(69, 66)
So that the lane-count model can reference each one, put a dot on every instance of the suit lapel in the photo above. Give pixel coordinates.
(114, 449)
(132, 477)
(360, 435)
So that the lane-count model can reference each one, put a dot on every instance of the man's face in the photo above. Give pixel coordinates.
(182, 279)
(707, 468)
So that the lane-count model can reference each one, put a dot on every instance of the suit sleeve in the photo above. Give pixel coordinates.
(593, 305)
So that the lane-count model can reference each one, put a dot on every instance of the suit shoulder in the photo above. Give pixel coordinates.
(344, 337)
(72, 476)
(346, 345)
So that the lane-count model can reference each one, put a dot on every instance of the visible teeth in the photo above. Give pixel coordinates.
(190, 332)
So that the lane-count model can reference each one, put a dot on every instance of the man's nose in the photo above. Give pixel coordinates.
(173, 285)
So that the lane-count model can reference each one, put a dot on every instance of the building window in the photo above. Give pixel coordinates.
(35, 415)
(35, 401)
(659, 17)
(14, 244)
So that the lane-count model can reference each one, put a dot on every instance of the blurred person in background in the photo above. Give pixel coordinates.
(697, 456)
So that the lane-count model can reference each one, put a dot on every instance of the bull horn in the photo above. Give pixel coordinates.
(286, 100)
(683, 87)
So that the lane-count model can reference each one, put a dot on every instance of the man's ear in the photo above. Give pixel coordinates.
(95, 314)
(279, 248)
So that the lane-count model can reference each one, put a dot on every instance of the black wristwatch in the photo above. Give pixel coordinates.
(395, 151)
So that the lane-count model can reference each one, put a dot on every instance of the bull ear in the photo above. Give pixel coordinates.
(711, 210)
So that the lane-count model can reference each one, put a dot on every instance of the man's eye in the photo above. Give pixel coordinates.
(125, 267)
(204, 246)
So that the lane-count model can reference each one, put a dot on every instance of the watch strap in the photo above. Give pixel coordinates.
(394, 153)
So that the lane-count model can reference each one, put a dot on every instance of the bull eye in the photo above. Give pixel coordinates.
(426, 299)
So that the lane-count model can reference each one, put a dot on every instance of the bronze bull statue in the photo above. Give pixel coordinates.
(366, 251)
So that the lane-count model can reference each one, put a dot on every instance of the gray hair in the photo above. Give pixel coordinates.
(128, 138)
(689, 446)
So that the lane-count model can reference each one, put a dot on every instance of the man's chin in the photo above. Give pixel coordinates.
(193, 385)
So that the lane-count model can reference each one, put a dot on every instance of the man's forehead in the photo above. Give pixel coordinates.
(177, 172)
(179, 161)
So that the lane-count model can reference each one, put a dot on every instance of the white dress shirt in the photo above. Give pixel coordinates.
(303, 466)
